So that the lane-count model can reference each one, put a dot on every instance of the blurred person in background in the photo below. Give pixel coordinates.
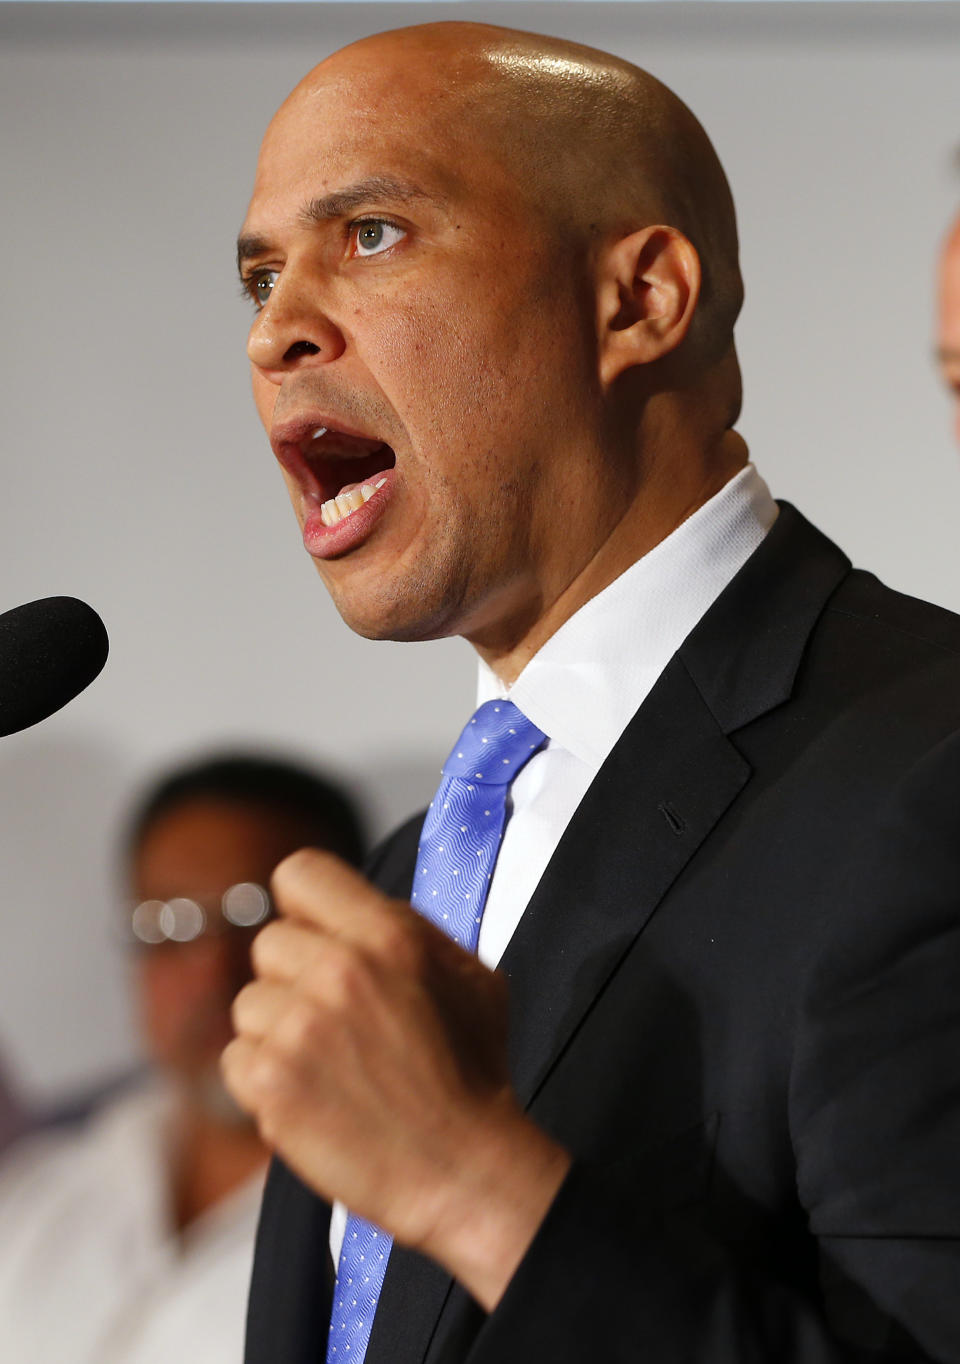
(948, 338)
(11, 1112)
(128, 1239)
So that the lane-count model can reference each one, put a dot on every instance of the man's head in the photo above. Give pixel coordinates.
(200, 851)
(498, 276)
(948, 336)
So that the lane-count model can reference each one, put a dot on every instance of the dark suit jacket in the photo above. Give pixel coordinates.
(736, 1000)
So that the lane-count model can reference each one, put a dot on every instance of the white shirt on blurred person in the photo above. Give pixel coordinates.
(92, 1268)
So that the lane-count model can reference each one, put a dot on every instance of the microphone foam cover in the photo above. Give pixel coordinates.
(49, 651)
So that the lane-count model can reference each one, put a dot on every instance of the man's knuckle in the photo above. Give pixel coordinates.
(229, 1062)
(288, 873)
(271, 1077)
(261, 948)
(301, 1028)
(240, 1009)
(338, 977)
(403, 944)
(270, 1124)
(397, 942)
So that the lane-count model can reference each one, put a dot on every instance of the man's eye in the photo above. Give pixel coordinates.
(260, 286)
(374, 235)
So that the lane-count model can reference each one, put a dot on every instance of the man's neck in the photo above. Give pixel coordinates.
(664, 503)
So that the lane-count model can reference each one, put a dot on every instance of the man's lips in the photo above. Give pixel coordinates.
(326, 537)
(326, 457)
(344, 476)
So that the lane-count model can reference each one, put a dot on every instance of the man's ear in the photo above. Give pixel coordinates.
(648, 290)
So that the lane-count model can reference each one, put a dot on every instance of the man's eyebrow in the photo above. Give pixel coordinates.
(375, 188)
(248, 246)
(947, 354)
(383, 189)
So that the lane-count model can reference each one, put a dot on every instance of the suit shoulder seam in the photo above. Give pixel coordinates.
(897, 629)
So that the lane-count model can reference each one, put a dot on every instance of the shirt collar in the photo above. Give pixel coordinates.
(584, 685)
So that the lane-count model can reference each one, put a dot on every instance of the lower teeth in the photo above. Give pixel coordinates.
(341, 506)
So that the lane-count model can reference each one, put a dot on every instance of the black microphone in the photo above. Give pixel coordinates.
(49, 651)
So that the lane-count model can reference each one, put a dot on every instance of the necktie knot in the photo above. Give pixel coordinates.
(494, 745)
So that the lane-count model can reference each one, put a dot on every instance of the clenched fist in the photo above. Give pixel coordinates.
(371, 1050)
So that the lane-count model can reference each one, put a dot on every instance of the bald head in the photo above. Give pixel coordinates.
(508, 265)
(602, 143)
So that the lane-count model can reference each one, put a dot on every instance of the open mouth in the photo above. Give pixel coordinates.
(342, 471)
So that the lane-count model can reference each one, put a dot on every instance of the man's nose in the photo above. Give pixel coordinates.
(293, 329)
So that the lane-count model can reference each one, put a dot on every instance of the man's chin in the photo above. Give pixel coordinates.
(404, 617)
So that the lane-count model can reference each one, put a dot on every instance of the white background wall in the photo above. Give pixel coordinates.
(135, 475)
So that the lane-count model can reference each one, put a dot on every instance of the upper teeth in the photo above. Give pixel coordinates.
(320, 431)
(344, 503)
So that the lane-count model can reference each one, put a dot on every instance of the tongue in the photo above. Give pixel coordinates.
(372, 469)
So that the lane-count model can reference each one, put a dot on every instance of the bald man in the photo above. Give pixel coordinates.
(703, 822)
(948, 338)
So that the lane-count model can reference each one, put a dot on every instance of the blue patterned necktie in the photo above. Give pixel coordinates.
(455, 860)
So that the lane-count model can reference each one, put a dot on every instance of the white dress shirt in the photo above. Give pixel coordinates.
(583, 687)
(92, 1270)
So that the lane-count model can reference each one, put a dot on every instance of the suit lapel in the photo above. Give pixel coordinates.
(291, 1289)
(662, 790)
(411, 1302)
(658, 795)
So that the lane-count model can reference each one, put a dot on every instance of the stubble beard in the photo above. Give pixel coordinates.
(440, 591)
